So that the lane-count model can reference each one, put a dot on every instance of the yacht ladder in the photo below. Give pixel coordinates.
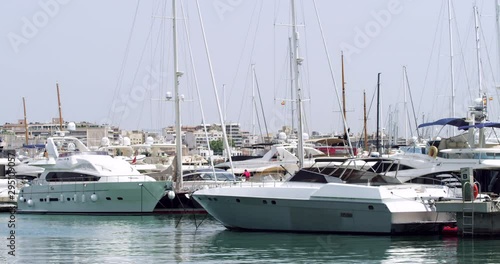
(468, 212)
(468, 218)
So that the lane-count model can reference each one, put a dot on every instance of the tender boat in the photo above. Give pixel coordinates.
(89, 182)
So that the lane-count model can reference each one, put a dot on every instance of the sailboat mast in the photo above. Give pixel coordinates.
(364, 120)
(25, 122)
(452, 72)
(253, 100)
(478, 53)
(343, 92)
(298, 62)
(177, 74)
(405, 104)
(291, 83)
(378, 113)
(60, 109)
(497, 8)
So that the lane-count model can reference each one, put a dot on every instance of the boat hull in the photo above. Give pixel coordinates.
(95, 198)
(320, 214)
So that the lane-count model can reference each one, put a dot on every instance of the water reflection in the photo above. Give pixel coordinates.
(172, 239)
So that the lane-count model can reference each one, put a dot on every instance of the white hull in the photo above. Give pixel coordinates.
(353, 209)
(112, 197)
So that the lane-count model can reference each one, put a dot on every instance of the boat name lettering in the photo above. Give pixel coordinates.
(343, 214)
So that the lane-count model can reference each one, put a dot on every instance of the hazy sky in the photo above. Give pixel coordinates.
(111, 67)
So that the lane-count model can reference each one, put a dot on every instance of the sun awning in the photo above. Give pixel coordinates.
(481, 125)
(458, 122)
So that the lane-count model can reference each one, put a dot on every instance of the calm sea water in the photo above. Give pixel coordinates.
(175, 239)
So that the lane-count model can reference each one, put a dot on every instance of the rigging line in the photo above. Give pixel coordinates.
(462, 52)
(487, 51)
(214, 86)
(244, 95)
(124, 61)
(153, 49)
(331, 72)
(137, 69)
(427, 72)
(436, 85)
(258, 119)
(242, 52)
(205, 130)
(412, 106)
(261, 105)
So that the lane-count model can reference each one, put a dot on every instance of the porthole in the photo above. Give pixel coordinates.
(237, 200)
(273, 202)
(119, 198)
(370, 207)
(264, 201)
(108, 198)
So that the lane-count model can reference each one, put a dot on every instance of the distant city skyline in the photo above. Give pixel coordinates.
(113, 61)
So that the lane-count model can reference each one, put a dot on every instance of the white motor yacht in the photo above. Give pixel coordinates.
(90, 182)
(314, 202)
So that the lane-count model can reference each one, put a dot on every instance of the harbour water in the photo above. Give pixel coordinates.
(176, 239)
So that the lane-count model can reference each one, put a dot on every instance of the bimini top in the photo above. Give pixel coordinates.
(458, 122)
(481, 125)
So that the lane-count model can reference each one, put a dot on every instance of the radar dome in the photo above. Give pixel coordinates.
(71, 146)
(71, 126)
(126, 141)
(105, 141)
(149, 140)
(305, 136)
(282, 136)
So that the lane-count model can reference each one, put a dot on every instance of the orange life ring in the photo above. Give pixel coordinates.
(476, 191)
(433, 151)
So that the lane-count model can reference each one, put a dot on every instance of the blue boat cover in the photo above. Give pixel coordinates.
(41, 146)
(458, 122)
(481, 125)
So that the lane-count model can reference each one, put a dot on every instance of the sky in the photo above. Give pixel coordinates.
(113, 61)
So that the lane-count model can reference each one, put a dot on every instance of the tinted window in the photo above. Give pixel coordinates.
(70, 177)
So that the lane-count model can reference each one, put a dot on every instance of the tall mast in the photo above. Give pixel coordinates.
(253, 99)
(343, 92)
(378, 113)
(365, 119)
(60, 111)
(478, 53)
(452, 72)
(405, 104)
(291, 83)
(298, 62)
(497, 8)
(177, 74)
(224, 102)
(25, 122)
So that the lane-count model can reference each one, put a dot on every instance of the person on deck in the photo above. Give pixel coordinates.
(247, 175)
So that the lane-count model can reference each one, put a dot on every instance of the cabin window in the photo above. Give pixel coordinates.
(70, 177)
